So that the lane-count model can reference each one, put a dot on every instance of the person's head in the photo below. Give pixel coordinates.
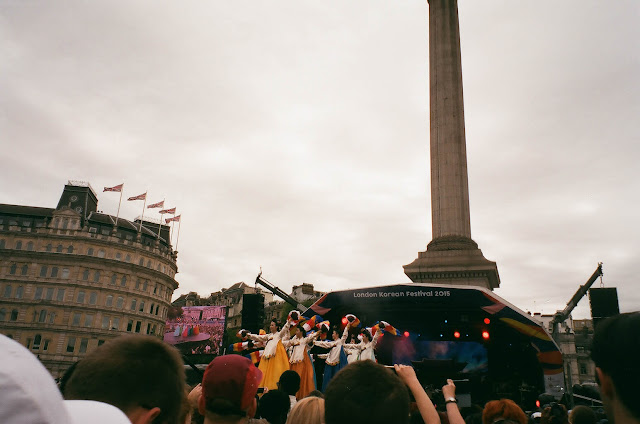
(229, 387)
(301, 332)
(335, 333)
(274, 326)
(582, 415)
(315, 393)
(274, 406)
(366, 393)
(615, 353)
(141, 375)
(289, 382)
(309, 410)
(366, 335)
(504, 411)
(554, 414)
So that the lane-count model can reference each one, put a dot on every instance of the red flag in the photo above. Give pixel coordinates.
(156, 205)
(142, 196)
(171, 211)
(117, 188)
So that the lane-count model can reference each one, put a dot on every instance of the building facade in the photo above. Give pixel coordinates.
(71, 277)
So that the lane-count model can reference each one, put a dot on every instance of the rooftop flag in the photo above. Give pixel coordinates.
(171, 211)
(142, 196)
(117, 188)
(155, 205)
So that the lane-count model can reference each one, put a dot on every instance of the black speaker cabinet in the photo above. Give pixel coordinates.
(604, 303)
(252, 312)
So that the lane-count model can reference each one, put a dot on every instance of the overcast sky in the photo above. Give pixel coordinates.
(294, 135)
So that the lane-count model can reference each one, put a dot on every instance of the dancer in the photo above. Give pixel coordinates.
(336, 358)
(366, 346)
(353, 354)
(273, 361)
(300, 361)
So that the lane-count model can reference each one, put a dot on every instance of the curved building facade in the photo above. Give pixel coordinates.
(71, 278)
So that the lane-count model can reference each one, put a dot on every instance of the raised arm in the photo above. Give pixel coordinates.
(326, 344)
(263, 338)
(375, 339)
(425, 406)
(451, 403)
(285, 334)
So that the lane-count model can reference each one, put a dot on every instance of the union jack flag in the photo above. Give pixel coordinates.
(171, 211)
(156, 205)
(117, 188)
(142, 196)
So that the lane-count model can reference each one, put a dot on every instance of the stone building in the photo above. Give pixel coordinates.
(574, 339)
(70, 278)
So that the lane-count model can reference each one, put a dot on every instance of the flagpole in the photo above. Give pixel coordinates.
(119, 203)
(160, 220)
(142, 217)
(178, 238)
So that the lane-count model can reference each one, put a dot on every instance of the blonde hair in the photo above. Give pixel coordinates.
(309, 410)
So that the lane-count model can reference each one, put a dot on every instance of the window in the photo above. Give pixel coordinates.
(148, 328)
(153, 329)
(100, 342)
(141, 308)
(42, 317)
(145, 285)
(88, 320)
(118, 256)
(80, 298)
(49, 294)
(12, 269)
(19, 292)
(123, 281)
(52, 317)
(101, 253)
(19, 245)
(127, 258)
(157, 307)
(59, 248)
(114, 277)
(60, 297)
(76, 319)
(93, 298)
(30, 245)
(49, 247)
(151, 308)
(43, 271)
(71, 344)
(138, 325)
(129, 325)
(583, 369)
(109, 301)
(155, 289)
(133, 304)
(70, 249)
(38, 294)
(3, 314)
(90, 251)
(65, 273)
(54, 271)
(7, 291)
(105, 323)
(96, 277)
(137, 287)
(83, 345)
(14, 315)
(1, 241)
(25, 269)
(85, 275)
(148, 263)
(120, 302)
(141, 262)
(115, 324)
(65, 223)
(46, 344)
(37, 340)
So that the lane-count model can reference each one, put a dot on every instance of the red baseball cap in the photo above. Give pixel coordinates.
(230, 378)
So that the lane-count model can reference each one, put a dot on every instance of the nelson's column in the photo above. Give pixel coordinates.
(452, 257)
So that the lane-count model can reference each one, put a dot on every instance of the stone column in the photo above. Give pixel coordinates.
(452, 257)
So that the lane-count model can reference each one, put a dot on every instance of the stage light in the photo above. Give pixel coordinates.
(485, 335)
(537, 404)
(344, 321)
(446, 321)
(406, 334)
(487, 321)
(456, 334)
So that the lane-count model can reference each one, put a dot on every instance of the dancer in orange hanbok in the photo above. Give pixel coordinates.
(301, 362)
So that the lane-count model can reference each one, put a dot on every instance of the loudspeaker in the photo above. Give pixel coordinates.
(604, 303)
(252, 312)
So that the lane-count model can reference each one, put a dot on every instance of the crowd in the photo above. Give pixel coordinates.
(140, 380)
